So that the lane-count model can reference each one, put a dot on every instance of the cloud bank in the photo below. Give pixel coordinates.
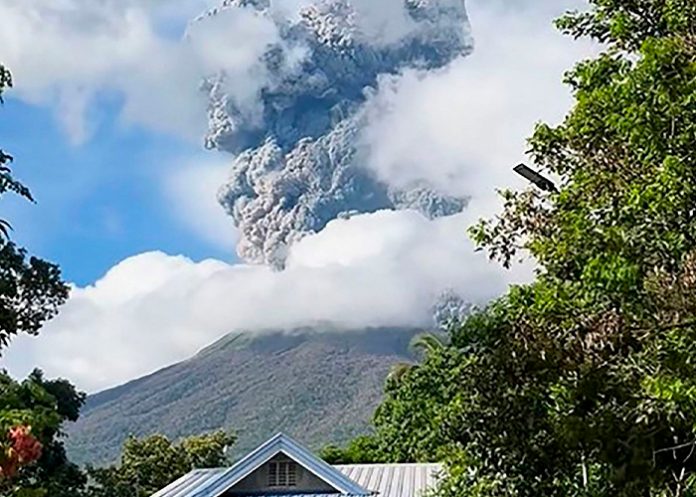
(377, 269)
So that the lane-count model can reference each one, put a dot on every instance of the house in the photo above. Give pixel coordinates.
(282, 467)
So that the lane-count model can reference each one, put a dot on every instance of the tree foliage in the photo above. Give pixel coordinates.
(589, 371)
(31, 290)
(5, 80)
(7, 181)
(582, 383)
(33, 462)
(150, 464)
(32, 457)
(361, 450)
(40, 407)
(405, 424)
(421, 345)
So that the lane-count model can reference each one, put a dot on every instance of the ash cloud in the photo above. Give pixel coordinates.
(299, 160)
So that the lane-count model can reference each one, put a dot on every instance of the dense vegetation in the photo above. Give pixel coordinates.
(582, 383)
(152, 463)
(33, 458)
(33, 462)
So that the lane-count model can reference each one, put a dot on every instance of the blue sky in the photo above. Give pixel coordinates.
(97, 202)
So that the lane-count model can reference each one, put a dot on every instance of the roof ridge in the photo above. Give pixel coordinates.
(262, 454)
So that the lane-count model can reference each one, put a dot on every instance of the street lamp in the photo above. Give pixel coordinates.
(536, 178)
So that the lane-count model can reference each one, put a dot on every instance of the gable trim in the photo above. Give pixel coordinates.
(293, 450)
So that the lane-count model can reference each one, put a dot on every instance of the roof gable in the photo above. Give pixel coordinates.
(290, 448)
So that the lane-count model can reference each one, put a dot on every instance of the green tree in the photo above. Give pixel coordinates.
(152, 463)
(410, 421)
(31, 290)
(583, 382)
(31, 413)
(405, 426)
(5, 80)
(421, 345)
(361, 450)
(44, 405)
(428, 343)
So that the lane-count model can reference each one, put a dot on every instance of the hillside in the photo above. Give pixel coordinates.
(317, 387)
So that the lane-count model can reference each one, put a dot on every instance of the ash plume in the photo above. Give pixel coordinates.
(298, 153)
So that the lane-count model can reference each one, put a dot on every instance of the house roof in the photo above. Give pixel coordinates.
(196, 482)
(385, 480)
(394, 480)
(191, 483)
(213, 483)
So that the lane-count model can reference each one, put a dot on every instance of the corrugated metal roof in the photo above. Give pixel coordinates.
(202, 480)
(394, 480)
(191, 483)
(386, 480)
(280, 443)
(358, 480)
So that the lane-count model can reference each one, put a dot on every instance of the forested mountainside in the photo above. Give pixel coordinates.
(318, 386)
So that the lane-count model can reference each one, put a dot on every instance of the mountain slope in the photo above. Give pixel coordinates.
(318, 387)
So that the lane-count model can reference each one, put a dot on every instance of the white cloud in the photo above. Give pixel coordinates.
(153, 309)
(464, 128)
(73, 51)
(191, 191)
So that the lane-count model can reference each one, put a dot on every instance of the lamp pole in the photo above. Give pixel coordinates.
(535, 178)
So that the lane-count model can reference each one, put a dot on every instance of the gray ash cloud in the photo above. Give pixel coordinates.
(298, 151)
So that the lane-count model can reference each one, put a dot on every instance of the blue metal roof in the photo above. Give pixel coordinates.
(203, 481)
(395, 480)
(215, 482)
(200, 480)
(360, 480)
(190, 483)
(385, 480)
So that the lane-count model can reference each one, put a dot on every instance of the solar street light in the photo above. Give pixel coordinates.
(535, 178)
